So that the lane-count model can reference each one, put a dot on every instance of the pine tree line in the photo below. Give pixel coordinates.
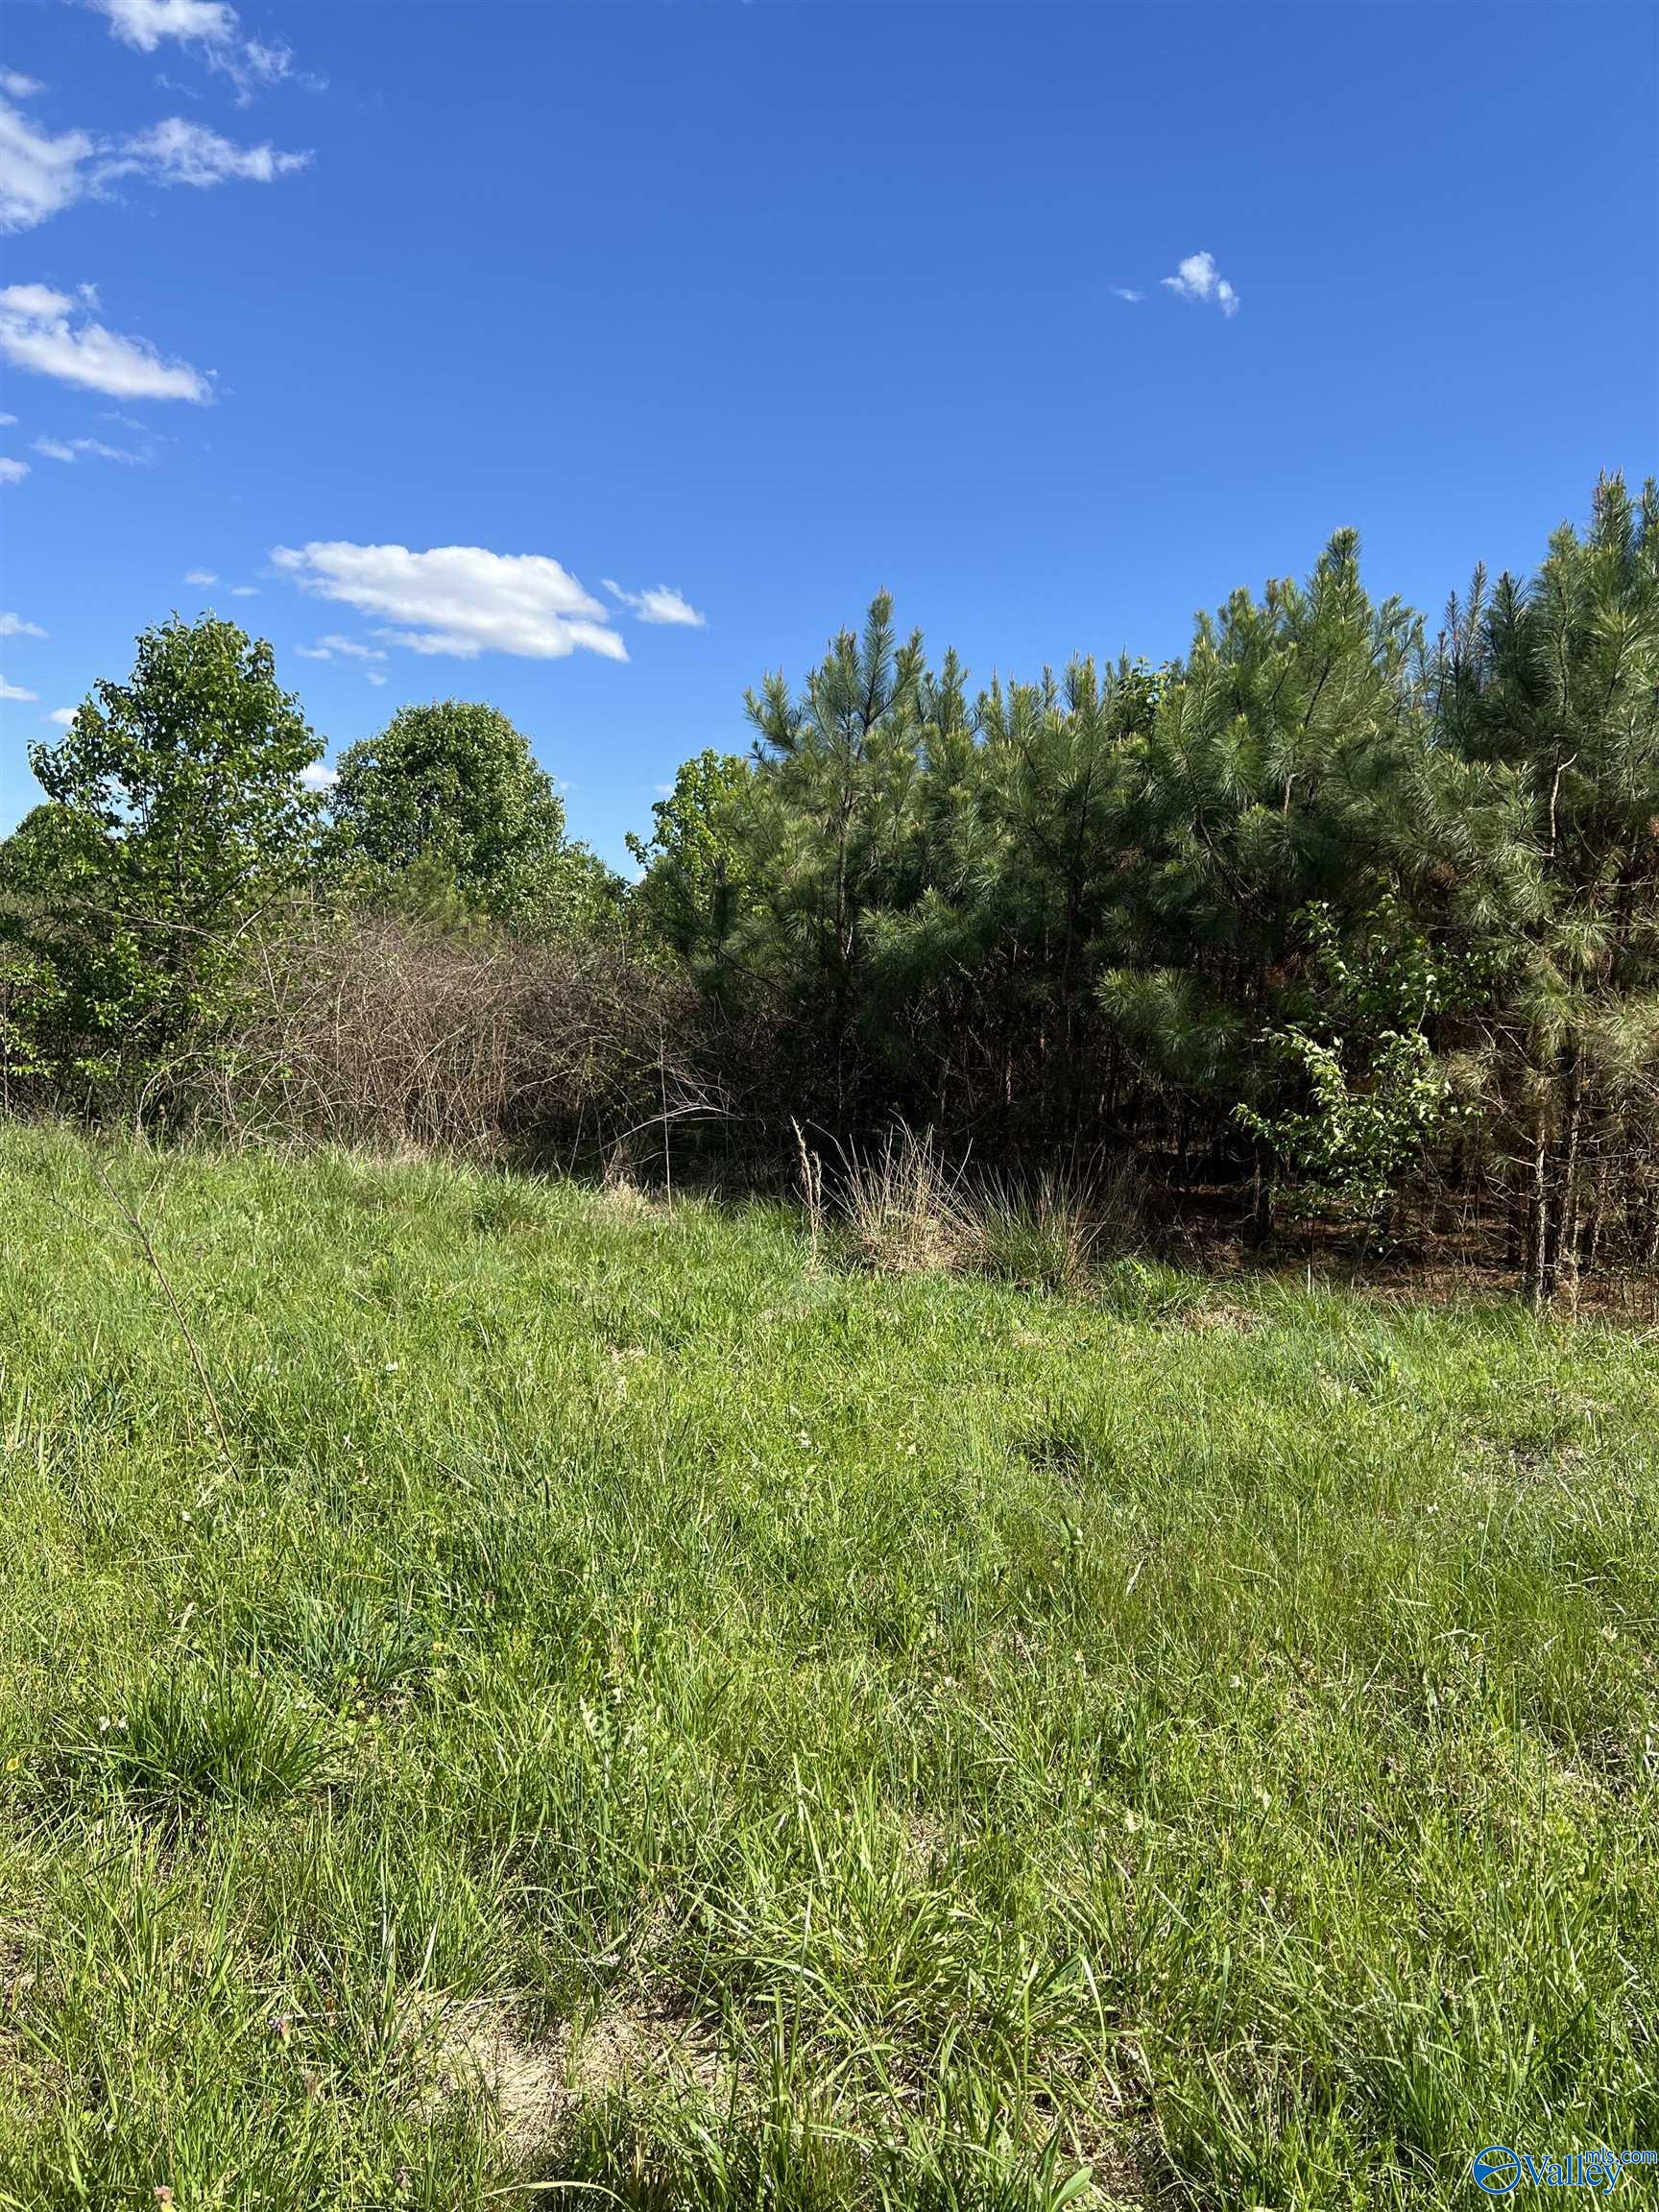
(1327, 904)
(1328, 914)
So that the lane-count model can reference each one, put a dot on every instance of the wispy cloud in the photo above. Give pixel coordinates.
(336, 647)
(211, 28)
(17, 86)
(11, 471)
(179, 152)
(42, 173)
(44, 331)
(202, 576)
(1129, 293)
(1198, 277)
(658, 604)
(72, 450)
(14, 626)
(244, 590)
(15, 691)
(458, 599)
(62, 715)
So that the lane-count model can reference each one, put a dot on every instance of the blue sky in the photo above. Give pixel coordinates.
(764, 306)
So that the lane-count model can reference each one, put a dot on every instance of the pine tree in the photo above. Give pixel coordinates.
(1542, 811)
(1263, 788)
(832, 830)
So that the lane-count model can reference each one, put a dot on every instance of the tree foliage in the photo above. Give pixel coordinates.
(1323, 909)
(448, 815)
(176, 818)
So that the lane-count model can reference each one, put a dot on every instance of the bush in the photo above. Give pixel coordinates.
(389, 1032)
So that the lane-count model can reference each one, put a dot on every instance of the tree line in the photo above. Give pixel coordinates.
(1331, 915)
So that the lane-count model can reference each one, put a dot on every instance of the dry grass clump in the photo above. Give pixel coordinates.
(907, 1210)
(903, 1207)
(1051, 1230)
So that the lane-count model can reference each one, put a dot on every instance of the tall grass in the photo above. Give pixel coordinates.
(636, 1718)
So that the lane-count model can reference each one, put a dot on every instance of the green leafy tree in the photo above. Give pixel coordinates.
(697, 866)
(1373, 1096)
(448, 813)
(176, 820)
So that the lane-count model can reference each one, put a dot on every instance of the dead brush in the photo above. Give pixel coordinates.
(903, 1205)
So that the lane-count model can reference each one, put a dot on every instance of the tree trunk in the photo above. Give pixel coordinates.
(1261, 1218)
(1570, 1214)
(1537, 1283)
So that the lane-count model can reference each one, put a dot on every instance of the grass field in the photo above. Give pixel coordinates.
(625, 1708)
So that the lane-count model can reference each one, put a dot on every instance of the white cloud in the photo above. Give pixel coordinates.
(11, 471)
(14, 626)
(458, 599)
(202, 576)
(1129, 293)
(62, 715)
(335, 646)
(244, 590)
(15, 691)
(72, 448)
(145, 23)
(376, 676)
(318, 778)
(41, 174)
(270, 65)
(13, 83)
(1198, 277)
(178, 152)
(6, 420)
(658, 604)
(36, 333)
(210, 25)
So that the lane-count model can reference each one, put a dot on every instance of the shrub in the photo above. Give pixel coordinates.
(389, 1032)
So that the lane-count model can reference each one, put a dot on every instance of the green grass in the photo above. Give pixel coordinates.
(636, 1712)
